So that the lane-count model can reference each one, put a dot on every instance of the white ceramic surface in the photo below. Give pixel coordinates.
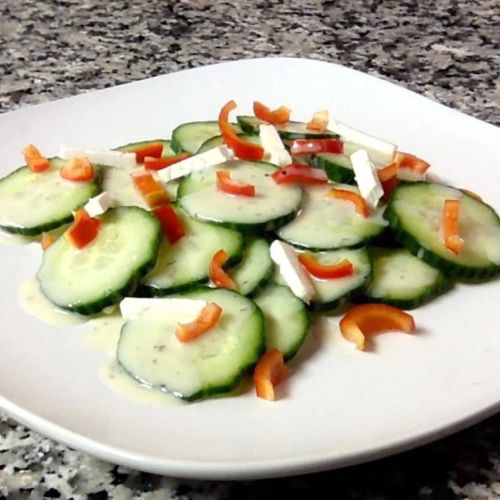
(339, 406)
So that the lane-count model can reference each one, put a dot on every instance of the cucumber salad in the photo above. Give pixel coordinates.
(218, 244)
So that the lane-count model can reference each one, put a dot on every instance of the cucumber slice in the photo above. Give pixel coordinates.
(286, 319)
(338, 167)
(185, 264)
(31, 203)
(401, 279)
(272, 206)
(216, 141)
(130, 148)
(255, 268)
(190, 136)
(88, 280)
(212, 364)
(290, 131)
(415, 213)
(326, 223)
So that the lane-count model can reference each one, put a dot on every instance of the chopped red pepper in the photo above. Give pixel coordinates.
(411, 161)
(242, 149)
(269, 372)
(170, 223)
(78, 169)
(388, 178)
(297, 173)
(314, 146)
(46, 240)
(452, 240)
(154, 150)
(367, 319)
(83, 230)
(159, 163)
(153, 192)
(206, 320)
(359, 202)
(319, 122)
(226, 184)
(279, 116)
(217, 274)
(341, 269)
(34, 160)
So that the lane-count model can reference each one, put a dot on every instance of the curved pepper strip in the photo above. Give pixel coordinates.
(315, 146)
(242, 149)
(151, 163)
(269, 372)
(359, 202)
(206, 320)
(369, 319)
(78, 169)
(227, 185)
(319, 121)
(297, 173)
(279, 116)
(34, 160)
(411, 161)
(217, 274)
(340, 269)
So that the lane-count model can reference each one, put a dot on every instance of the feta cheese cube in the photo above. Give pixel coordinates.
(273, 146)
(367, 178)
(132, 307)
(111, 158)
(99, 204)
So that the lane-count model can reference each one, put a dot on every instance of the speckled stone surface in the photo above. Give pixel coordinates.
(447, 50)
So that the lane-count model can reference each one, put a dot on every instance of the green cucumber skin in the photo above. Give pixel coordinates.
(48, 226)
(129, 148)
(232, 384)
(405, 239)
(216, 141)
(177, 146)
(249, 125)
(94, 307)
(336, 173)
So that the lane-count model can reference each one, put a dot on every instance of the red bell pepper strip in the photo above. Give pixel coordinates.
(34, 160)
(411, 161)
(206, 320)
(151, 163)
(153, 192)
(368, 319)
(314, 146)
(227, 185)
(78, 169)
(83, 230)
(170, 223)
(319, 121)
(388, 178)
(279, 116)
(269, 372)
(452, 240)
(359, 202)
(297, 173)
(46, 240)
(154, 150)
(242, 149)
(217, 274)
(341, 269)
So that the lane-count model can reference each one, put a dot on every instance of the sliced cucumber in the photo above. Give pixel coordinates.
(31, 203)
(185, 264)
(133, 146)
(255, 268)
(272, 206)
(190, 136)
(290, 131)
(338, 167)
(326, 223)
(216, 141)
(88, 280)
(214, 363)
(415, 213)
(331, 293)
(401, 279)
(286, 319)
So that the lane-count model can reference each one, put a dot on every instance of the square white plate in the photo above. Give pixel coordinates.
(340, 406)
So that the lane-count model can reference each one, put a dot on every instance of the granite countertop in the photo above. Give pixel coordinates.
(447, 50)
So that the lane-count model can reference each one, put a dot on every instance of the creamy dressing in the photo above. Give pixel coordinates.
(16, 239)
(36, 304)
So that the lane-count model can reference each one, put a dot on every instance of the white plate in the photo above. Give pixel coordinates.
(341, 406)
